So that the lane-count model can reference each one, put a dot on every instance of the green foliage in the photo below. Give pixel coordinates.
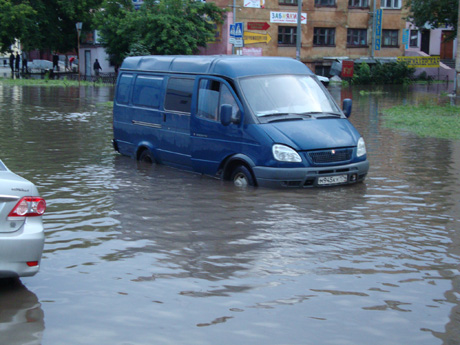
(437, 13)
(164, 27)
(425, 120)
(44, 24)
(383, 73)
(15, 21)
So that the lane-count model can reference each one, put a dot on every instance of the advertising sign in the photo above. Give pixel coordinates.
(254, 3)
(378, 30)
(347, 69)
(252, 51)
(405, 38)
(287, 17)
(421, 61)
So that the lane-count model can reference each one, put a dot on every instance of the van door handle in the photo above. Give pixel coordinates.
(164, 117)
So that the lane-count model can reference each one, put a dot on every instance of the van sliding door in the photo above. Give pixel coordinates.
(177, 108)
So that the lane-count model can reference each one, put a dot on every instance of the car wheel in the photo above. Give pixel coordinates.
(146, 157)
(242, 177)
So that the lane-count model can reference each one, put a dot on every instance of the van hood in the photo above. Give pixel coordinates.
(314, 134)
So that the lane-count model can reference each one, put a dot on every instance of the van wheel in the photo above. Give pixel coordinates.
(242, 177)
(146, 157)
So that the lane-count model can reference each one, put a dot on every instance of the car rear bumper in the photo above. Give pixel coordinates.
(20, 248)
(309, 177)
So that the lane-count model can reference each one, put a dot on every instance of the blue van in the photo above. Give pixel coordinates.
(260, 121)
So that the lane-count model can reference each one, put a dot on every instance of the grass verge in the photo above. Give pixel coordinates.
(49, 82)
(426, 120)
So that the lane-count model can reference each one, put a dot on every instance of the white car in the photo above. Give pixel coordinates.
(22, 235)
(324, 80)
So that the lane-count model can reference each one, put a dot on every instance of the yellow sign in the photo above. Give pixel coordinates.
(420, 61)
(252, 37)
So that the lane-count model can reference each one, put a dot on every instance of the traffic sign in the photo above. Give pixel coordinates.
(252, 37)
(258, 26)
(239, 30)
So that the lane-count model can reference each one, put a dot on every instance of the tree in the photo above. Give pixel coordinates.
(44, 24)
(163, 27)
(116, 35)
(15, 21)
(436, 13)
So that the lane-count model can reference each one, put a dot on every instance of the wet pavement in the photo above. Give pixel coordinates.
(152, 255)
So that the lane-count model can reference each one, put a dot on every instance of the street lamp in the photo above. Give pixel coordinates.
(78, 26)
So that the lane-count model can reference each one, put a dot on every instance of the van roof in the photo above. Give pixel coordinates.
(232, 66)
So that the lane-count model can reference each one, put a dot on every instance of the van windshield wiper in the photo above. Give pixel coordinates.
(280, 117)
(285, 114)
(273, 114)
(322, 114)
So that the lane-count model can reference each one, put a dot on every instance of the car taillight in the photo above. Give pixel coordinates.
(29, 206)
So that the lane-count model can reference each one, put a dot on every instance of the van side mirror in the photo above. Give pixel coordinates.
(226, 115)
(347, 103)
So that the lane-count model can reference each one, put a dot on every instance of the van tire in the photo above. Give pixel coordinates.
(146, 157)
(242, 177)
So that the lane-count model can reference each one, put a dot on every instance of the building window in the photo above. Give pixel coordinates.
(413, 41)
(323, 70)
(324, 37)
(358, 3)
(288, 2)
(287, 35)
(390, 38)
(320, 3)
(394, 4)
(357, 37)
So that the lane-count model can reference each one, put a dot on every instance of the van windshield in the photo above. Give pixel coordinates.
(287, 94)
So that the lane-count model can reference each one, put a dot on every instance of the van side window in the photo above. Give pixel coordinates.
(179, 94)
(124, 88)
(208, 99)
(147, 90)
(211, 95)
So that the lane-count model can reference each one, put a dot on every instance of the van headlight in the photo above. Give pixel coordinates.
(284, 153)
(361, 148)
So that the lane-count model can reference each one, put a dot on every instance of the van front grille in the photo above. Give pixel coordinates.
(330, 156)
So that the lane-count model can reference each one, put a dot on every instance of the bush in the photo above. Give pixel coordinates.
(383, 73)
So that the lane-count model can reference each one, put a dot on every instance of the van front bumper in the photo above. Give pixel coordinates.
(311, 176)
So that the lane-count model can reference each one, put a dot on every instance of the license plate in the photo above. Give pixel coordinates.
(327, 180)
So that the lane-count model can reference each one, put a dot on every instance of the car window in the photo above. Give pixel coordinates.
(179, 94)
(124, 88)
(211, 95)
(147, 91)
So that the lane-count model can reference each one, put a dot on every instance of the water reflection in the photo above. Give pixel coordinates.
(158, 255)
(21, 315)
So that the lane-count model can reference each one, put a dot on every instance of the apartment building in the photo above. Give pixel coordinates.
(330, 29)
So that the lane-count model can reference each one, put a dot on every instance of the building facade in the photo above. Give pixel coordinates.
(331, 29)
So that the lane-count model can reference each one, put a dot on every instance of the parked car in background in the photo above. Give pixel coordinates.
(22, 234)
(324, 80)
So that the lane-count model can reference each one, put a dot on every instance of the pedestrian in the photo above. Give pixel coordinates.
(71, 60)
(97, 67)
(56, 62)
(17, 62)
(12, 62)
(24, 63)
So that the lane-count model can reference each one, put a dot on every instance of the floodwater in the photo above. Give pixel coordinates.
(152, 255)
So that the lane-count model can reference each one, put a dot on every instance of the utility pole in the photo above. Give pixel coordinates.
(234, 20)
(457, 57)
(299, 29)
(373, 29)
